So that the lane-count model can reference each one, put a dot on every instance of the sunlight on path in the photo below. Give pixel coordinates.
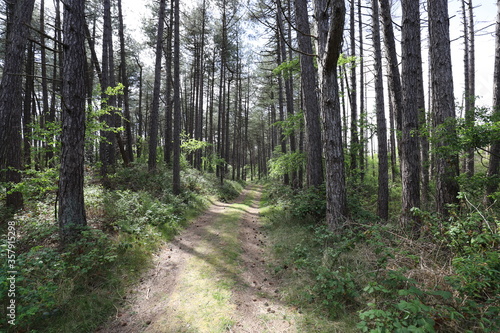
(211, 278)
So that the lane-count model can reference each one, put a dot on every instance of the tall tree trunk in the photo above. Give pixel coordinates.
(167, 150)
(410, 155)
(176, 169)
(282, 139)
(153, 125)
(383, 167)
(107, 146)
(362, 113)
(124, 79)
(330, 21)
(393, 62)
(45, 114)
(139, 113)
(71, 200)
(314, 167)
(471, 89)
(443, 106)
(19, 19)
(29, 93)
(353, 94)
(494, 165)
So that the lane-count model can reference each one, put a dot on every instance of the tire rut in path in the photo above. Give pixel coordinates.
(211, 278)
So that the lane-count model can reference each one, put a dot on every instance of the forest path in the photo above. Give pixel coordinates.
(211, 278)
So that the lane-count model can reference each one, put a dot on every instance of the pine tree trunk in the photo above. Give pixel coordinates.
(330, 21)
(124, 80)
(71, 200)
(107, 146)
(354, 149)
(314, 167)
(494, 165)
(153, 125)
(383, 167)
(362, 113)
(176, 167)
(443, 106)
(19, 19)
(410, 155)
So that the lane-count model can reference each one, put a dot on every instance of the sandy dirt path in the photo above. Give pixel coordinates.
(213, 277)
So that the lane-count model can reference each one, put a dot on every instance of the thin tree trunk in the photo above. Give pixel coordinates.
(124, 79)
(167, 150)
(362, 114)
(153, 125)
(176, 167)
(107, 146)
(383, 169)
(354, 150)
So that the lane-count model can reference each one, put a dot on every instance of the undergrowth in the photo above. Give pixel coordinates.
(372, 278)
(75, 289)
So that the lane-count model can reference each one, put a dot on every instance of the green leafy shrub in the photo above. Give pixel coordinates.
(229, 190)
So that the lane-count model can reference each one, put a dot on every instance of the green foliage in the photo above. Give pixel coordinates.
(190, 145)
(291, 124)
(398, 306)
(288, 68)
(48, 133)
(36, 184)
(485, 130)
(446, 282)
(132, 212)
(74, 289)
(229, 190)
(309, 204)
(286, 163)
(43, 273)
(95, 126)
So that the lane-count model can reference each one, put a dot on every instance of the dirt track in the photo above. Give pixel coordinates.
(211, 278)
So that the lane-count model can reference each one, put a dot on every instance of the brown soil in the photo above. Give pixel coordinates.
(176, 295)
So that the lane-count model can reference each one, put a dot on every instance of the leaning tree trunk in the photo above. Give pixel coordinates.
(71, 201)
(10, 97)
(330, 22)
(443, 106)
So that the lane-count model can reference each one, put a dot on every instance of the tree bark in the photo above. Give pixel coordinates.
(19, 19)
(330, 22)
(107, 146)
(153, 124)
(124, 79)
(176, 170)
(443, 106)
(410, 155)
(314, 169)
(354, 149)
(494, 165)
(71, 200)
(383, 167)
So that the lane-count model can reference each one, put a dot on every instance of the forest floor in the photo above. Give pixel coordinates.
(213, 277)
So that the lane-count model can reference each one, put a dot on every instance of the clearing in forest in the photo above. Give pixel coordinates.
(210, 278)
